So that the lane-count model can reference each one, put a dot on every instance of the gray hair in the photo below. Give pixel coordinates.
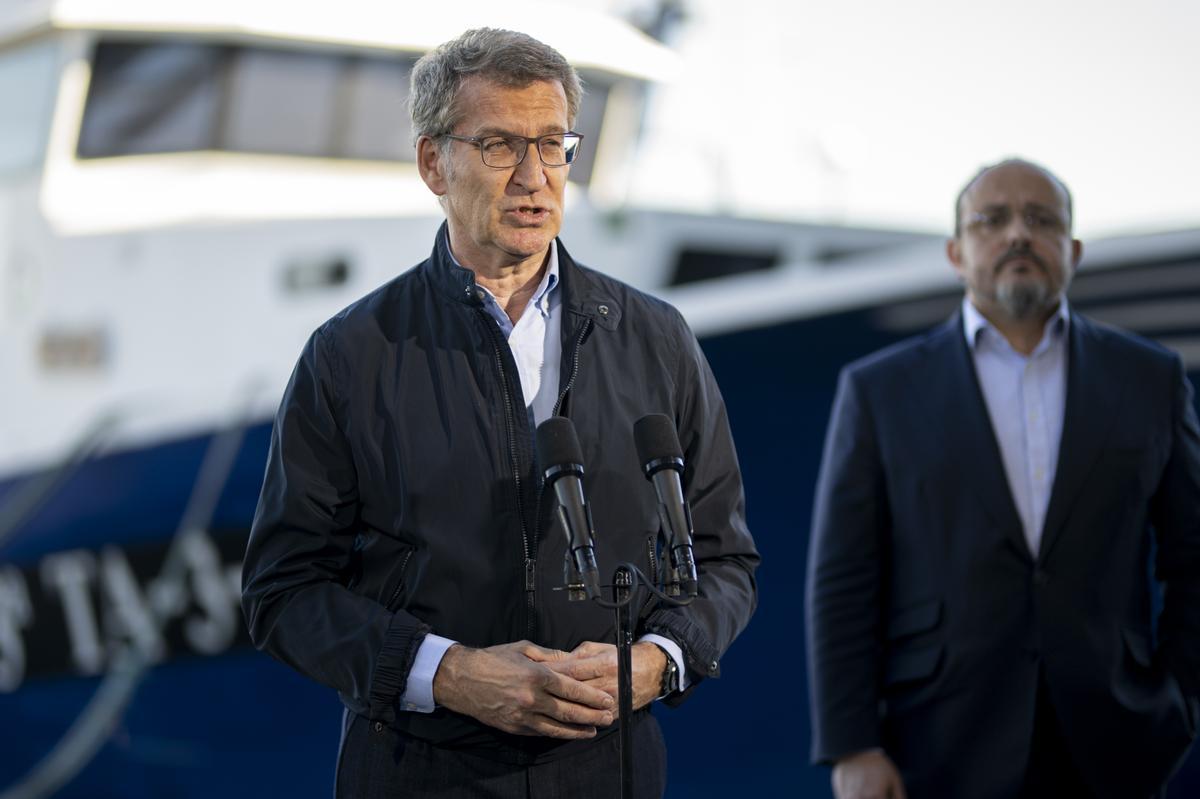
(506, 57)
(1055, 179)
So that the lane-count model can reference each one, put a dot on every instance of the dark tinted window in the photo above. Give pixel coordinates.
(587, 122)
(695, 264)
(172, 96)
(377, 123)
(151, 99)
(281, 101)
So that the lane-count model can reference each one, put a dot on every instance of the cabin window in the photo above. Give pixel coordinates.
(281, 101)
(157, 98)
(588, 122)
(169, 96)
(178, 96)
(376, 111)
(27, 84)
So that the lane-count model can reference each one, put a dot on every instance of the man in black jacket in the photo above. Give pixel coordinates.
(404, 552)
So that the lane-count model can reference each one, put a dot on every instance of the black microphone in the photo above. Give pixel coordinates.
(562, 458)
(662, 461)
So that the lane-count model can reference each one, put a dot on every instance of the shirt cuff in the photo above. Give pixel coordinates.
(418, 691)
(671, 649)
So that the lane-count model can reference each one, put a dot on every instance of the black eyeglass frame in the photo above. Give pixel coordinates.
(534, 140)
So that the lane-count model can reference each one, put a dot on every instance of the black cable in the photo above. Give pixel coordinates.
(640, 580)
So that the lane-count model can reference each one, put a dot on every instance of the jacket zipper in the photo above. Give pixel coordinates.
(399, 584)
(583, 332)
(510, 424)
(650, 546)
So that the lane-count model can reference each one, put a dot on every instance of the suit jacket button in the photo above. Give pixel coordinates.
(1040, 577)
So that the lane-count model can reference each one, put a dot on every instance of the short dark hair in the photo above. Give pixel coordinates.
(1009, 162)
(506, 57)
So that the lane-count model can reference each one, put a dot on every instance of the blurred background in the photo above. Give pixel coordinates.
(187, 189)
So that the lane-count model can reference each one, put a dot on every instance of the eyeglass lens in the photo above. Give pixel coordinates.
(506, 151)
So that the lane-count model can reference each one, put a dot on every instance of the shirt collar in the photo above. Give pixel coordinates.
(974, 323)
(541, 297)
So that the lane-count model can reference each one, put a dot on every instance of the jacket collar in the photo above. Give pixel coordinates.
(583, 294)
(1096, 389)
(452, 281)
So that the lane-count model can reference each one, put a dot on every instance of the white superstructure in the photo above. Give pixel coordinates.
(188, 188)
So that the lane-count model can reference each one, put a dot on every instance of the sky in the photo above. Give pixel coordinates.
(875, 113)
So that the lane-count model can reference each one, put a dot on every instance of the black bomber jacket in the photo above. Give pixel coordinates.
(402, 493)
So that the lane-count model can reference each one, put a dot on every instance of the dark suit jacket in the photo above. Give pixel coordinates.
(929, 619)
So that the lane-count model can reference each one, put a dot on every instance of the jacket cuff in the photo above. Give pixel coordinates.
(395, 659)
(698, 651)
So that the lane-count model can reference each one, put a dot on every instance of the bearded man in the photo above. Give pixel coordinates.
(999, 503)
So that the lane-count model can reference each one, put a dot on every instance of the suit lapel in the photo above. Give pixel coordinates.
(1093, 397)
(960, 412)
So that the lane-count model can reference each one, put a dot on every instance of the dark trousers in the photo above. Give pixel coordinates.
(1051, 773)
(384, 764)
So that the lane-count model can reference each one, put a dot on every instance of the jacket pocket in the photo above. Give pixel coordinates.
(910, 666)
(914, 620)
(909, 656)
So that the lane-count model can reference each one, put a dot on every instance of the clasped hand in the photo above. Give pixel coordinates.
(527, 689)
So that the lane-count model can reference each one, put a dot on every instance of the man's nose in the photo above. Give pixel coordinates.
(1018, 230)
(530, 174)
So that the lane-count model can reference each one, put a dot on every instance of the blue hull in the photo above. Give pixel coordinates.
(235, 723)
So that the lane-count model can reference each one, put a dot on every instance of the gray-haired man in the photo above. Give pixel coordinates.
(404, 551)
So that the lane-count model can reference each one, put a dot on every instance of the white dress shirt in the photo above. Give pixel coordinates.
(1026, 399)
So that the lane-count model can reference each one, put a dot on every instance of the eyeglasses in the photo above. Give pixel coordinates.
(505, 152)
(993, 220)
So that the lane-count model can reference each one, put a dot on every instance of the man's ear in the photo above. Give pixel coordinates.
(432, 165)
(1076, 254)
(954, 254)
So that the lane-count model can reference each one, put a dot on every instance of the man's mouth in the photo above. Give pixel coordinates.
(529, 214)
(1022, 259)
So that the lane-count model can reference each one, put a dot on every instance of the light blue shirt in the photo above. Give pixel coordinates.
(1026, 400)
(536, 344)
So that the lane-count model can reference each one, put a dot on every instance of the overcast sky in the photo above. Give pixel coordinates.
(876, 112)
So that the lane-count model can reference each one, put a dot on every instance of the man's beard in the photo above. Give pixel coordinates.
(1025, 299)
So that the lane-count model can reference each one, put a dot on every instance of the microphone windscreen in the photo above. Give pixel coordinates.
(557, 443)
(656, 439)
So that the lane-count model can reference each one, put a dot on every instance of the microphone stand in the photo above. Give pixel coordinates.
(558, 445)
(626, 578)
(623, 599)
